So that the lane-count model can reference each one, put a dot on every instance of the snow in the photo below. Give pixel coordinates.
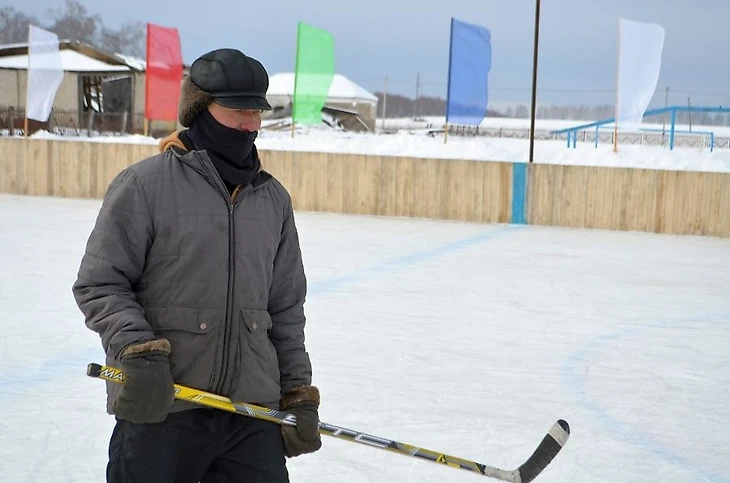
(414, 141)
(499, 149)
(121, 138)
(653, 122)
(133, 62)
(342, 89)
(71, 61)
(468, 339)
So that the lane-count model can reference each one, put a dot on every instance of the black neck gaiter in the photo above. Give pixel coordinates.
(232, 151)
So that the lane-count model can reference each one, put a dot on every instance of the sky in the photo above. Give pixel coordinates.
(409, 39)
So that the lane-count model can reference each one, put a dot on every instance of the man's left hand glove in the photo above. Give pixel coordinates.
(303, 403)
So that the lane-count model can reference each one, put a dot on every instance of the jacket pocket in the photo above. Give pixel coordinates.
(257, 360)
(193, 342)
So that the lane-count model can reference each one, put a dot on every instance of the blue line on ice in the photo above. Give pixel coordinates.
(413, 258)
(572, 375)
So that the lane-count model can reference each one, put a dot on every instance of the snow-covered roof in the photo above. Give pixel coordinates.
(71, 61)
(134, 62)
(341, 89)
(75, 57)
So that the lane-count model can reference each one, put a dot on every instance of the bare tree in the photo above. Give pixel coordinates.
(129, 39)
(74, 23)
(14, 25)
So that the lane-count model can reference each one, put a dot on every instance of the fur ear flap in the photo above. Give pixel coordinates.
(192, 102)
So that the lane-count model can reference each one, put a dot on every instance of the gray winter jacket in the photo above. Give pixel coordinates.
(174, 256)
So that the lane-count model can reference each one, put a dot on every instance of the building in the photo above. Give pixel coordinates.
(345, 100)
(100, 91)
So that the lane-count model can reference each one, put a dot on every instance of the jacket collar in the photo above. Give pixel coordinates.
(176, 142)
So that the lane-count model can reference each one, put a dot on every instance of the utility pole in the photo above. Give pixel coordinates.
(385, 101)
(415, 101)
(689, 113)
(664, 117)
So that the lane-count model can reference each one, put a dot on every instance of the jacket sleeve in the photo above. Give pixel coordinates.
(286, 307)
(112, 265)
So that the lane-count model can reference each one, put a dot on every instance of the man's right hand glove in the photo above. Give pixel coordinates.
(148, 390)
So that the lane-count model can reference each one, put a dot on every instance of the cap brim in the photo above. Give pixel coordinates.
(247, 102)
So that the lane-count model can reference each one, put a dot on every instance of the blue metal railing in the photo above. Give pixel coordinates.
(572, 132)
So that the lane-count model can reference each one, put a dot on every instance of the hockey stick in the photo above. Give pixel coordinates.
(551, 444)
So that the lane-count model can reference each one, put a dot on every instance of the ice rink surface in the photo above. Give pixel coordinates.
(463, 338)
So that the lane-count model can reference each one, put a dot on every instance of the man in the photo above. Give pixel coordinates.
(193, 273)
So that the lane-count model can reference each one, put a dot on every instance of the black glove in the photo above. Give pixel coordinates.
(303, 403)
(148, 390)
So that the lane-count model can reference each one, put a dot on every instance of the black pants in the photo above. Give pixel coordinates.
(198, 445)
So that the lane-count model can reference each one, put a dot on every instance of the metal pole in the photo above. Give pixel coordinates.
(534, 80)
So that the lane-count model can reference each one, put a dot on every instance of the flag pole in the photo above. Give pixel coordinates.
(618, 67)
(146, 122)
(296, 74)
(448, 81)
(27, 89)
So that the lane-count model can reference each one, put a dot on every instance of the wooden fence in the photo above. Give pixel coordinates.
(671, 202)
(676, 202)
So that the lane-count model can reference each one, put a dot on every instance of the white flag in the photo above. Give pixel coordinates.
(640, 59)
(45, 73)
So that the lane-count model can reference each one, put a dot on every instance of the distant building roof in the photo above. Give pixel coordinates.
(71, 61)
(342, 89)
(75, 57)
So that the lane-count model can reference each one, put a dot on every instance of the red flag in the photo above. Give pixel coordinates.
(164, 73)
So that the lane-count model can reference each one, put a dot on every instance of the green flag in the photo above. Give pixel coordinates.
(315, 68)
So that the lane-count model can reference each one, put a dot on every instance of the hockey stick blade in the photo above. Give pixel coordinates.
(548, 449)
(551, 444)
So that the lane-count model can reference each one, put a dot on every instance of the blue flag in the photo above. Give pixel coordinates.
(470, 58)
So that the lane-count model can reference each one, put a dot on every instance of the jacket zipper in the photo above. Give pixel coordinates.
(227, 326)
(230, 200)
(229, 296)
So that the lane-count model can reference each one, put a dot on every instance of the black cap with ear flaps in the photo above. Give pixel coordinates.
(232, 79)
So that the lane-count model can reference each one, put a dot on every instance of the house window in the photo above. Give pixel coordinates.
(91, 93)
